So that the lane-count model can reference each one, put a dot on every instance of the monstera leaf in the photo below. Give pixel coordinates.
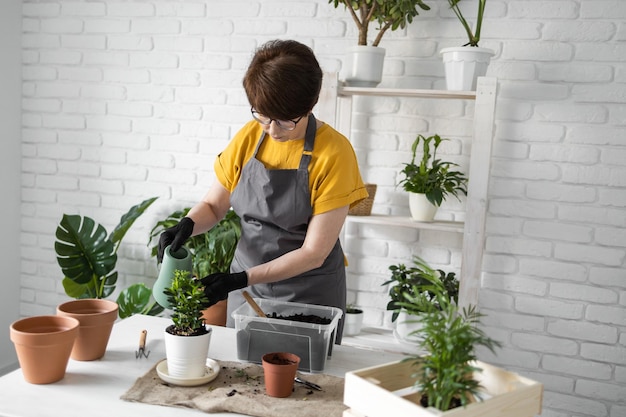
(87, 255)
(137, 299)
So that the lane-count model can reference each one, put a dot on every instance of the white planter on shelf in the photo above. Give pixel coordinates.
(463, 65)
(422, 210)
(407, 328)
(353, 322)
(364, 66)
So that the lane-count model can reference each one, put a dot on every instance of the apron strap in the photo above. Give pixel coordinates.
(309, 140)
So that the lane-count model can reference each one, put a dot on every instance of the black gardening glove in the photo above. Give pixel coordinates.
(217, 286)
(175, 236)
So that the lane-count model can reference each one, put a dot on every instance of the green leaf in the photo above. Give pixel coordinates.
(129, 218)
(83, 250)
(136, 300)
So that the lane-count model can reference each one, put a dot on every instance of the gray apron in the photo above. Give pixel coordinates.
(275, 209)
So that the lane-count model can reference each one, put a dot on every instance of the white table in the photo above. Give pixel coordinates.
(94, 388)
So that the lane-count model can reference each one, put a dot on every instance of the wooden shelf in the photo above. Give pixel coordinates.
(401, 221)
(402, 92)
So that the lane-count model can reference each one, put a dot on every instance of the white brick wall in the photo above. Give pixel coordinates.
(122, 101)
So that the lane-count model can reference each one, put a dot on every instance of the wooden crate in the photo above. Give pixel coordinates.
(385, 390)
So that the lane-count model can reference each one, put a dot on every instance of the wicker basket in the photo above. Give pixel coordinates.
(364, 207)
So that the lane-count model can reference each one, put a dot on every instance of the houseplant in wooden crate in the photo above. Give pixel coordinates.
(365, 63)
(410, 295)
(447, 374)
(211, 252)
(187, 338)
(464, 64)
(430, 181)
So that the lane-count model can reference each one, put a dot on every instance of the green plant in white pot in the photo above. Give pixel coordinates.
(410, 294)
(187, 338)
(430, 181)
(365, 65)
(464, 64)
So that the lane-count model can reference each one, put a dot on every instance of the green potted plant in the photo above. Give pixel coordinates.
(211, 252)
(466, 63)
(430, 181)
(365, 68)
(87, 255)
(446, 373)
(411, 294)
(187, 338)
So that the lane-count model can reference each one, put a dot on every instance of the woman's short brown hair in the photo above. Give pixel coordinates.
(283, 80)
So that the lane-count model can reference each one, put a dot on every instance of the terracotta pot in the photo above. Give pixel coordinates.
(96, 319)
(43, 345)
(280, 370)
(216, 314)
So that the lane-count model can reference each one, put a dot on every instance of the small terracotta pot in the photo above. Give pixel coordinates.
(43, 345)
(280, 370)
(96, 319)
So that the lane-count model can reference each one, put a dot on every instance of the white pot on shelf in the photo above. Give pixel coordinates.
(407, 328)
(353, 322)
(421, 209)
(364, 66)
(463, 65)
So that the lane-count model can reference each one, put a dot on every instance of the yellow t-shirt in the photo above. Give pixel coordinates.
(334, 176)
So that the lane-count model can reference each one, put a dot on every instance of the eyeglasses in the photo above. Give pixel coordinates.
(266, 121)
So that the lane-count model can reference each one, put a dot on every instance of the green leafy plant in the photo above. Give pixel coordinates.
(87, 255)
(446, 373)
(412, 290)
(432, 177)
(389, 14)
(212, 251)
(473, 36)
(187, 298)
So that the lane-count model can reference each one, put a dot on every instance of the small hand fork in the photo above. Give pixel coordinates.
(142, 345)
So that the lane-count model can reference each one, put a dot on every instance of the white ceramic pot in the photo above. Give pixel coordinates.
(187, 355)
(463, 65)
(422, 210)
(353, 323)
(407, 328)
(364, 66)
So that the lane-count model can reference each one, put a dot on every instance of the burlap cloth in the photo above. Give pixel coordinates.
(239, 388)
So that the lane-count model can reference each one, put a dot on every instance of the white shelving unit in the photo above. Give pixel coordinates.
(336, 109)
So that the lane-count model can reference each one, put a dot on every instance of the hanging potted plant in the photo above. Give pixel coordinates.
(411, 294)
(365, 63)
(211, 252)
(431, 181)
(445, 378)
(464, 64)
(187, 338)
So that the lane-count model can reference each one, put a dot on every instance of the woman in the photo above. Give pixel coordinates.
(291, 179)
